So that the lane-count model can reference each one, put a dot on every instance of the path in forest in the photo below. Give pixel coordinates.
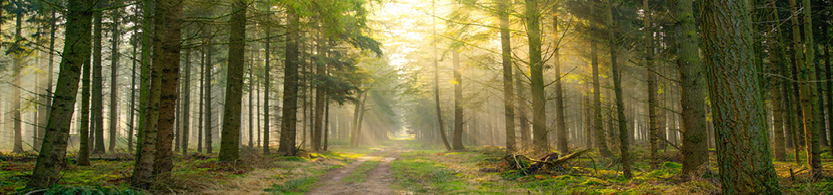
(378, 180)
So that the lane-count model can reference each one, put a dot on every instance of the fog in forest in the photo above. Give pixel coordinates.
(709, 96)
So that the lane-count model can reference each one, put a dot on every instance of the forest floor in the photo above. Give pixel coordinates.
(400, 167)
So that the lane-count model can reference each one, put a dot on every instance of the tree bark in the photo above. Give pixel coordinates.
(601, 142)
(743, 155)
(234, 85)
(114, 64)
(457, 139)
(97, 104)
(536, 71)
(508, 90)
(52, 157)
(692, 99)
(290, 95)
(617, 89)
(653, 102)
(561, 125)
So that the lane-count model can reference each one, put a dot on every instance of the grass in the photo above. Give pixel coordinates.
(293, 186)
(359, 174)
(439, 172)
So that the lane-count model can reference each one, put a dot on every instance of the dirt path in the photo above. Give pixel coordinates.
(378, 180)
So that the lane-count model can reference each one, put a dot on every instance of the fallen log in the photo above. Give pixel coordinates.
(550, 160)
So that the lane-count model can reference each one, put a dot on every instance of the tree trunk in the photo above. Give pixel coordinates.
(114, 64)
(653, 103)
(601, 142)
(536, 71)
(743, 155)
(266, 85)
(207, 73)
(251, 105)
(52, 156)
(692, 99)
(97, 104)
(561, 125)
(809, 100)
(201, 97)
(508, 90)
(777, 61)
(319, 92)
(84, 131)
(457, 139)
(440, 124)
(186, 106)
(234, 85)
(290, 95)
(130, 122)
(15, 97)
(617, 89)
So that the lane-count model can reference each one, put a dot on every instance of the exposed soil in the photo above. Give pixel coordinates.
(378, 180)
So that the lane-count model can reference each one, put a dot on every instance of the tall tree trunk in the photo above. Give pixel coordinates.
(617, 89)
(186, 106)
(508, 90)
(743, 155)
(777, 60)
(457, 139)
(536, 71)
(15, 97)
(52, 156)
(695, 143)
(561, 125)
(200, 121)
(290, 95)
(130, 123)
(167, 55)
(829, 93)
(319, 92)
(266, 85)
(114, 64)
(601, 142)
(809, 100)
(251, 105)
(653, 103)
(97, 104)
(208, 68)
(84, 131)
(440, 124)
(234, 84)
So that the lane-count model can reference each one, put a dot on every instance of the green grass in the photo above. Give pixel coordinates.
(294, 186)
(360, 173)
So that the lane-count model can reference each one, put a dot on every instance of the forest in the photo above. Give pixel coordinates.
(416, 97)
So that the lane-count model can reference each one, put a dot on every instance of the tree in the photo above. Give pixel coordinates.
(561, 125)
(743, 155)
(536, 71)
(97, 108)
(18, 52)
(653, 101)
(506, 62)
(457, 139)
(617, 89)
(695, 143)
(234, 88)
(777, 61)
(440, 124)
(290, 84)
(601, 142)
(76, 50)
(266, 85)
(114, 67)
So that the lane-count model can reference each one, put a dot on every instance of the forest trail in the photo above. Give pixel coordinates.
(376, 181)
